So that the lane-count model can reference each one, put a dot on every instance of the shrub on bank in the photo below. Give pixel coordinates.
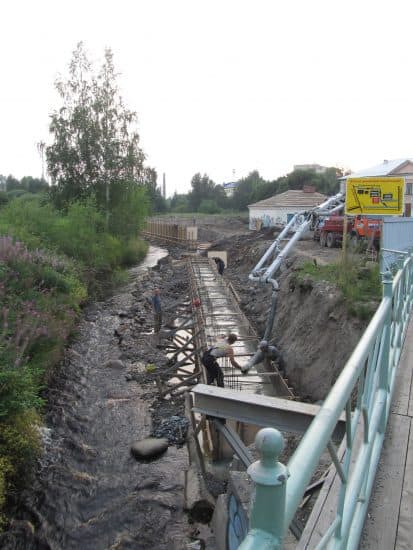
(360, 285)
(79, 233)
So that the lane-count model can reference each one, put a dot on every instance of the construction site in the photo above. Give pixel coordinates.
(283, 389)
(140, 451)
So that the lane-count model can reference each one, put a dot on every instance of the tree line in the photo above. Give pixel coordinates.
(207, 197)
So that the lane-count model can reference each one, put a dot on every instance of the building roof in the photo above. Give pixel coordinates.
(296, 199)
(386, 168)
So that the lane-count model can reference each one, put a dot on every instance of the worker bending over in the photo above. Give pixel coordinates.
(222, 348)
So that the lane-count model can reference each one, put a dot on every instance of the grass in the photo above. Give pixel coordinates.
(360, 283)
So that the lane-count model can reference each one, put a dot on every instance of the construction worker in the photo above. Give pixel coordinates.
(220, 265)
(223, 348)
(265, 354)
(157, 313)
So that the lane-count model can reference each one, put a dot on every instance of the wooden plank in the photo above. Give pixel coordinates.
(324, 508)
(402, 399)
(380, 527)
(405, 529)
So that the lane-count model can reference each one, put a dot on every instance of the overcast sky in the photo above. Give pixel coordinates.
(221, 87)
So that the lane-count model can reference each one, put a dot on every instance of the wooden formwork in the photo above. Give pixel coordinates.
(213, 311)
(171, 232)
(208, 314)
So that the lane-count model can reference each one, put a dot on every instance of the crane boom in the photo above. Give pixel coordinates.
(273, 258)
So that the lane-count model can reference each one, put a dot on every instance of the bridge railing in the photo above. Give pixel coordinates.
(364, 391)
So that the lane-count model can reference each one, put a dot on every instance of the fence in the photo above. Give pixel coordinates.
(397, 239)
(364, 391)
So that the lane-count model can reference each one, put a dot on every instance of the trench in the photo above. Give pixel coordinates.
(88, 491)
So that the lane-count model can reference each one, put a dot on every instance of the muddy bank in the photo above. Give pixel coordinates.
(89, 492)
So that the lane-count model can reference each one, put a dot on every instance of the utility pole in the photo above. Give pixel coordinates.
(164, 185)
(40, 148)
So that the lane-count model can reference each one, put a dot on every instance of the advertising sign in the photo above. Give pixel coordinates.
(375, 196)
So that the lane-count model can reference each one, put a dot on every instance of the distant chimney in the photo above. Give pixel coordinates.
(308, 189)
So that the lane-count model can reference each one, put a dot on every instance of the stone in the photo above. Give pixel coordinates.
(114, 364)
(181, 390)
(150, 447)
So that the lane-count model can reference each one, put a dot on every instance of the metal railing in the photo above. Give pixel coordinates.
(364, 391)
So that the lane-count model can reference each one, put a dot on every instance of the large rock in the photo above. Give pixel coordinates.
(150, 447)
(114, 364)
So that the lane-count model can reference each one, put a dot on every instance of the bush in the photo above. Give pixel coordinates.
(134, 251)
(19, 447)
(360, 285)
(79, 234)
(4, 199)
(209, 206)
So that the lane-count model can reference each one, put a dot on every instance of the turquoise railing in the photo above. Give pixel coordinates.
(363, 391)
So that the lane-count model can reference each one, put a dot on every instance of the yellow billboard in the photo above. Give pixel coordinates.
(377, 196)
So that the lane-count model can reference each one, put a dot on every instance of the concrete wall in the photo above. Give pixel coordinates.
(269, 216)
(192, 233)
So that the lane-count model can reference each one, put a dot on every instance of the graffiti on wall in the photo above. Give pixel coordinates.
(266, 220)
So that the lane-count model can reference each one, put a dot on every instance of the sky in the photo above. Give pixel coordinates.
(221, 87)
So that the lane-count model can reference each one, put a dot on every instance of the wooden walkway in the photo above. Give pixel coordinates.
(389, 522)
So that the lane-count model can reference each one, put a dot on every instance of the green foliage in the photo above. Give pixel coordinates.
(28, 184)
(133, 251)
(129, 211)
(204, 189)
(96, 150)
(247, 191)
(209, 206)
(360, 284)
(158, 204)
(19, 447)
(18, 389)
(179, 203)
(4, 199)
(14, 193)
(39, 296)
(79, 233)
(254, 188)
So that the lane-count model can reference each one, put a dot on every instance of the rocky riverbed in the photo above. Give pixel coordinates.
(89, 492)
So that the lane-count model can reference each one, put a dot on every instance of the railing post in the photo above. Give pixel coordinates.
(384, 377)
(267, 510)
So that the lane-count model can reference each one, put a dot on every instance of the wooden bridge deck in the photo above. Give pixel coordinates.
(389, 523)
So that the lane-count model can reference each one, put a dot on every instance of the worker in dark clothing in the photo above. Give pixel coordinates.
(220, 265)
(157, 312)
(223, 348)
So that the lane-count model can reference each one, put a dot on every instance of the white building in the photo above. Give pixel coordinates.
(388, 168)
(230, 187)
(278, 209)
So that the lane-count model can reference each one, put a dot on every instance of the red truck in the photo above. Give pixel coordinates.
(329, 231)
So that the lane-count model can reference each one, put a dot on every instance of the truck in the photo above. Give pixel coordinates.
(329, 231)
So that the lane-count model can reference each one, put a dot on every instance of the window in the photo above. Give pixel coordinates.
(409, 189)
